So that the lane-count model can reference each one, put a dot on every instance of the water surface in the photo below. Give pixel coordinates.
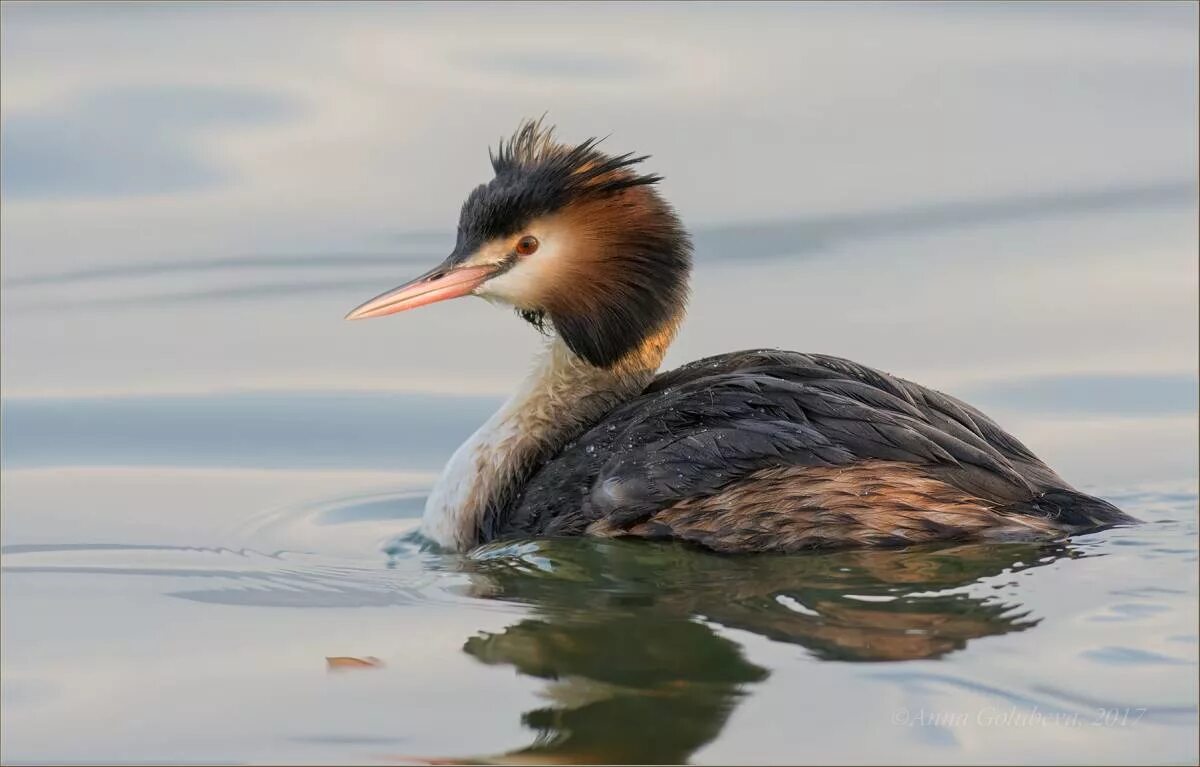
(211, 483)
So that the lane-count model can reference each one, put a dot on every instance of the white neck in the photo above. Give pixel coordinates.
(561, 397)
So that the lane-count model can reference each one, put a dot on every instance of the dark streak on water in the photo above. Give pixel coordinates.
(382, 430)
(750, 242)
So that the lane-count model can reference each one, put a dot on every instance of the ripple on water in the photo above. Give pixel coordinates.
(237, 577)
(1132, 656)
(1129, 611)
(358, 525)
(326, 553)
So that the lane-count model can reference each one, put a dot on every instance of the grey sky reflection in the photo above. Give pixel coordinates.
(128, 141)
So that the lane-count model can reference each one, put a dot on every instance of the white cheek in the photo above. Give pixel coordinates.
(526, 282)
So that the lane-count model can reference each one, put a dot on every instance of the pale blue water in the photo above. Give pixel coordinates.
(210, 481)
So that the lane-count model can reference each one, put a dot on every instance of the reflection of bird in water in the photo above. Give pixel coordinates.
(624, 689)
(635, 670)
(750, 451)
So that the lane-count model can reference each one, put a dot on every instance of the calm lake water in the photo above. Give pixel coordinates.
(211, 482)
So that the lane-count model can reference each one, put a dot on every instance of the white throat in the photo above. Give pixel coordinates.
(561, 397)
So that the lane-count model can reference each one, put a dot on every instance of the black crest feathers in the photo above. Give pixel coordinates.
(581, 169)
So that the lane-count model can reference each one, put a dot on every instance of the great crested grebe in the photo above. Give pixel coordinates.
(759, 450)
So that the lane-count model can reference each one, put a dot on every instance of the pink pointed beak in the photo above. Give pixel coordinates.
(438, 284)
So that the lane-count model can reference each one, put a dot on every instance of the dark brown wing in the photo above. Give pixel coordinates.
(865, 384)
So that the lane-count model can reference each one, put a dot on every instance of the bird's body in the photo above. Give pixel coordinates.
(751, 451)
(761, 450)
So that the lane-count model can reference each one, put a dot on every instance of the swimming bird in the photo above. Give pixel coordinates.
(752, 451)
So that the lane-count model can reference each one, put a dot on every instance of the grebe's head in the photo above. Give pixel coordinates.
(567, 235)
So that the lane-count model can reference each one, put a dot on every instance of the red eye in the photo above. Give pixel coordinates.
(527, 245)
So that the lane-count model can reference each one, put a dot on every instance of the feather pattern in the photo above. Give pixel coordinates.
(718, 423)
